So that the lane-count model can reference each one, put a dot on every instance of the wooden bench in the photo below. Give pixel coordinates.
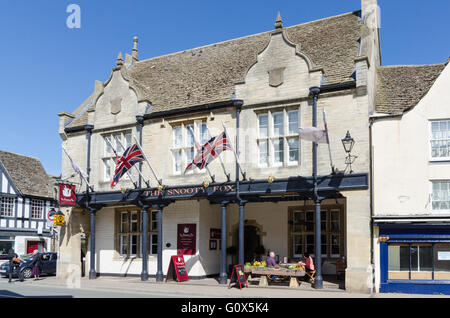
(293, 274)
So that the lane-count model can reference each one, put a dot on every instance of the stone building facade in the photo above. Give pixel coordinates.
(270, 74)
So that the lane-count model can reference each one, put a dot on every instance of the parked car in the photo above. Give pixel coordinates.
(48, 266)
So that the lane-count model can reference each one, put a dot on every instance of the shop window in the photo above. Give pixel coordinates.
(442, 261)
(278, 138)
(419, 261)
(129, 233)
(37, 209)
(7, 206)
(6, 243)
(302, 233)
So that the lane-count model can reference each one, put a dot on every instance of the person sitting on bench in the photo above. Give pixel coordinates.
(270, 261)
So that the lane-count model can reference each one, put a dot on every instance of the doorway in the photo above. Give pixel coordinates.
(252, 243)
(34, 245)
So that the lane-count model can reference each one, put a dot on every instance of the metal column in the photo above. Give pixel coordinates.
(318, 281)
(223, 261)
(92, 273)
(241, 233)
(144, 273)
(159, 272)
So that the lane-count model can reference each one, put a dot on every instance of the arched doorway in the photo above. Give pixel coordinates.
(252, 243)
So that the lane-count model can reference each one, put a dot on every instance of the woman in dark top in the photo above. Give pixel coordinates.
(36, 263)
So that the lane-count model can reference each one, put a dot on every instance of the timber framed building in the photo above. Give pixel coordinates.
(26, 196)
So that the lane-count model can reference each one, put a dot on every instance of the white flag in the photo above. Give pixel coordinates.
(313, 134)
(75, 166)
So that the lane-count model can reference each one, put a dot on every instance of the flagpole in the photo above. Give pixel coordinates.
(234, 151)
(196, 142)
(146, 182)
(80, 172)
(328, 141)
(146, 160)
(221, 161)
(117, 156)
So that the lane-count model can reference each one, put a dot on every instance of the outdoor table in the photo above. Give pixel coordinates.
(292, 273)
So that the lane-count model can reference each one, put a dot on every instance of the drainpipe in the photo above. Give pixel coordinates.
(239, 200)
(140, 120)
(89, 135)
(372, 247)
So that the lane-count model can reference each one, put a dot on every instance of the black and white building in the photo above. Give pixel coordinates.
(26, 197)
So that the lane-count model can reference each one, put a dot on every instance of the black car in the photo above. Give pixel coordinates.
(48, 266)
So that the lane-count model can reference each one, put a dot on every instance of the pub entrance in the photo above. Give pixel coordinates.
(253, 250)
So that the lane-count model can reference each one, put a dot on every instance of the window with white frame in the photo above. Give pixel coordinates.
(7, 206)
(129, 233)
(278, 138)
(109, 158)
(440, 195)
(183, 143)
(440, 139)
(37, 209)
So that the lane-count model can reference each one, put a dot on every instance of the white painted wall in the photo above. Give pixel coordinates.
(402, 166)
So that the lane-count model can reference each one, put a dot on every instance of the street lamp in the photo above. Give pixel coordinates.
(348, 142)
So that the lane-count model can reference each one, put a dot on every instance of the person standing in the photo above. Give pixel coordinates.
(14, 265)
(36, 263)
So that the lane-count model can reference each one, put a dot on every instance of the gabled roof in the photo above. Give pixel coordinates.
(400, 88)
(208, 74)
(27, 174)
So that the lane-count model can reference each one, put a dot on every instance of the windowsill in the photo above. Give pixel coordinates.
(192, 173)
(131, 258)
(443, 159)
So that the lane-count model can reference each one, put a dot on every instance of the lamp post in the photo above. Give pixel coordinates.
(348, 142)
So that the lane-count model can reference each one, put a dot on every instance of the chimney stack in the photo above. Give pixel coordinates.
(134, 53)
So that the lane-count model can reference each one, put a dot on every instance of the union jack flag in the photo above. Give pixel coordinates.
(210, 151)
(130, 157)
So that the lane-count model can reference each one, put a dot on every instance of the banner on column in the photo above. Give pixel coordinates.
(186, 239)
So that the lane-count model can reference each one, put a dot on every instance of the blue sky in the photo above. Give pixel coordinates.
(48, 68)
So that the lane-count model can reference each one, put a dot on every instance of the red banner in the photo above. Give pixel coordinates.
(66, 194)
(186, 239)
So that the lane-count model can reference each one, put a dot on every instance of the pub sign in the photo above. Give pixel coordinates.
(186, 239)
(66, 194)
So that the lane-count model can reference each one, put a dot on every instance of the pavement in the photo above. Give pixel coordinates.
(133, 287)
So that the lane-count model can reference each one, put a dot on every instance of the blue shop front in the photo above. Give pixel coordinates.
(415, 258)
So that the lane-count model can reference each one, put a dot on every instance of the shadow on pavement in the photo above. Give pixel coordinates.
(10, 294)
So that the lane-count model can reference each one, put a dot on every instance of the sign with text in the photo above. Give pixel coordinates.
(186, 239)
(238, 277)
(67, 194)
(177, 269)
(191, 191)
